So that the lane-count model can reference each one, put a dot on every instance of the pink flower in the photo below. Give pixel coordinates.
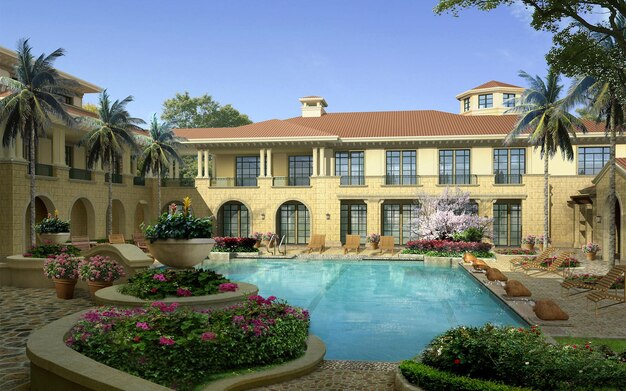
(183, 292)
(159, 277)
(142, 325)
(166, 341)
(208, 336)
(228, 287)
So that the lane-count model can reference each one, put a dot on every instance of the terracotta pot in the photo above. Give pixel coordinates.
(94, 286)
(64, 287)
(181, 253)
(58, 238)
(374, 246)
(528, 246)
(590, 256)
(257, 244)
(540, 247)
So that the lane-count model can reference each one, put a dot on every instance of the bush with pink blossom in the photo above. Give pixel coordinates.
(99, 268)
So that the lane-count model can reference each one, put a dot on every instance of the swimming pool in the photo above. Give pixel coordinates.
(374, 310)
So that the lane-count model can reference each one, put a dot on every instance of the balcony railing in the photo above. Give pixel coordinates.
(402, 180)
(233, 182)
(79, 173)
(348, 180)
(178, 182)
(458, 179)
(508, 179)
(42, 169)
(117, 178)
(284, 181)
(139, 181)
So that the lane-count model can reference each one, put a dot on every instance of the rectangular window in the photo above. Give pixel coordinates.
(300, 170)
(592, 159)
(248, 169)
(509, 165)
(454, 167)
(466, 104)
(353, 220)
(69, 156)
(401, 168)
(507, 224)
(398, 221)
(508, 100)
(485, 101)
(350, 167)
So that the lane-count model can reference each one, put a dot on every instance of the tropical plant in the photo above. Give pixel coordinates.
(179, 225)
(545, 118)
(32, 102)
(159, 148)
(48, 249)
(52, 224)
(107, 138)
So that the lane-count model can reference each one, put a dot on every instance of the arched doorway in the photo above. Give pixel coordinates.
(234, 220)
(43, 206)
(119, 218)
(82, 217)
(293, 221)
(140, 216)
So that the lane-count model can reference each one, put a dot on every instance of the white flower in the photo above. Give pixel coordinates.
(526, 363)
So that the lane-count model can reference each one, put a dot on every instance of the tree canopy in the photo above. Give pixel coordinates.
(185, 111)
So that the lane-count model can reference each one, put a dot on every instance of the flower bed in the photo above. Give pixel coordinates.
(234, 245)
(594, 278)
(51, 249)
(447, 248)
(181, 348)
(521, 357)
(155, 284)
(514, 251)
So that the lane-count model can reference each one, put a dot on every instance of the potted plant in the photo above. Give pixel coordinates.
(99, 272)
(267, 237)
(53, 230)
(63, 270)
(258, 236)
(528, 242)
(590, 250)
(373, 239)
(539, 242)
(179, 239)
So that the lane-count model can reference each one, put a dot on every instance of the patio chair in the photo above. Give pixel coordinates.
(81, 242)
(140, 241)
(517, 262)
(387, 243)
(317, 242)
(552, 268)
(603, 284)
(117, 239)
(599, 296)
(353, 242)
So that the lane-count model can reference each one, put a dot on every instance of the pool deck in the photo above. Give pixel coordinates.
(24, 310)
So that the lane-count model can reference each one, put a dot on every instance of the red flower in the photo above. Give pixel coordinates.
(137, 338)
(154, 290)
(457, 361)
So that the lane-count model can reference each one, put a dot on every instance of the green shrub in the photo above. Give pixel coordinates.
(521, 357)
(472, 234)
(51, 249)
(52, 224)
(159, 283)
(179, 225)
(432, 379)
(433, 253)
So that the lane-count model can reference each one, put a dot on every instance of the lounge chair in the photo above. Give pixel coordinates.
(387, 243)
(117, 239)
(552, 268)
(317, 242)
(599, 296)
(140, 241)
(81, 242)
(353, 242)
(603, 284)
(517, 262)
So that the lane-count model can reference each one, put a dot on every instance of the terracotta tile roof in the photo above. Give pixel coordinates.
(495, 83)
(265, 129)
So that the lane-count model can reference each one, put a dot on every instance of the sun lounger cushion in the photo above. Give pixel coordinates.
(494, 274)
(469, 257)
(549, 310)
(480, 265)
(515, 288)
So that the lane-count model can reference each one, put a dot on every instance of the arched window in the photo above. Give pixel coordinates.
(234, 220)
(294, 222)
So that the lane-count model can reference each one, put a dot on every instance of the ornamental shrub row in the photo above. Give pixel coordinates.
(447, 248)
(432, 379)
(158, 283)
(50, 250)
(234, 245)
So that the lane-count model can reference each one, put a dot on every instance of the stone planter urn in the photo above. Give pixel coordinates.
(65, 287)
(56, 238)
(590, 256)
(181, 253)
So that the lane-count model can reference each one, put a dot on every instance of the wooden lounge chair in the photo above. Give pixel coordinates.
(599, 296)
(353, 242)
(117, 239)
(317, 242)
(552, 268)
(603, 284)
(517, 262)
(140, 241)
(81, 242)
(387, 243)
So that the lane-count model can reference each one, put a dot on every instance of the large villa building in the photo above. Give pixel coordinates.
(332, 173)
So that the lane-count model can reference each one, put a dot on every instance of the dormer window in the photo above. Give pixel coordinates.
(508, 100)
(466, 104)
(68, 100)
(485, 101)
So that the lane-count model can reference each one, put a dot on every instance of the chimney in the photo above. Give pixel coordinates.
(313, 106)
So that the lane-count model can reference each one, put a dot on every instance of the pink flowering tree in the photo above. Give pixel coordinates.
(439, 217)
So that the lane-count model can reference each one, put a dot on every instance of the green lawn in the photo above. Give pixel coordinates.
(617, 345)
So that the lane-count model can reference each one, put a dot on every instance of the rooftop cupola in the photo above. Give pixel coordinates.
(313, 106)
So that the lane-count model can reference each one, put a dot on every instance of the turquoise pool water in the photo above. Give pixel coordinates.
(375, 310)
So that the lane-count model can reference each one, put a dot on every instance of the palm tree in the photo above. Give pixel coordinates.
(158, 149)
(32, 102)
(545, 117)
(107, 138)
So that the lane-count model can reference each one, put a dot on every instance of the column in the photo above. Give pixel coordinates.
(332, 163)
(206, 164)
(315, 162)
(262, 163)
(269, 162)
(125, 161)
(58, 146)
(323, 161)
(200, 155)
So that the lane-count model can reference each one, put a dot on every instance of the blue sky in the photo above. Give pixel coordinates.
(261, 56)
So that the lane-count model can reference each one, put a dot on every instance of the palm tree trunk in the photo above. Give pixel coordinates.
(110, 209)
(158, 192)
(31, 164)
(546, 199)
(611, 250)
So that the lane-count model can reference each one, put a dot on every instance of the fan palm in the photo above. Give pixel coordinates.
(158, 149)
(28, 109)
(545, 118)
(107, 138)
